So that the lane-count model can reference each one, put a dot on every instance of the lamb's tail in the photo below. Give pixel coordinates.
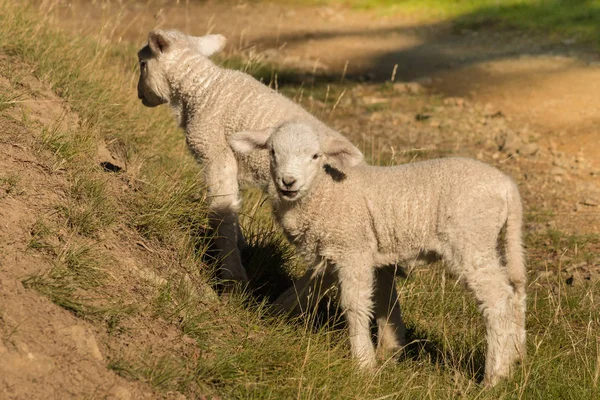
(515, 265)
(515, 262)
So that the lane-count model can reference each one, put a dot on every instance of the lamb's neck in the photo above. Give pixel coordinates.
(191, 78)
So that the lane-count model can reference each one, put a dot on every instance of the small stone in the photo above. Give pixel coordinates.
(84, 340)
(400, 87)
(120, 393)
(424, 80)
(557, 171)
(591, 202)
(497, 114)
(414, 87)
(454, 101)
(107, 160)
(509, 142)
(375, 100)
(529, 149)
(545, 276)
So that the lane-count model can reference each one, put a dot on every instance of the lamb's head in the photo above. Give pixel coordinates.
(165, 50)
(298, 155)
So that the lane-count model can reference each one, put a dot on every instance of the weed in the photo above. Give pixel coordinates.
(8, 185)
(39, 236)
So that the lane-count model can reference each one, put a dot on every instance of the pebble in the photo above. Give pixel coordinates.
(558, 171)
(529, 149)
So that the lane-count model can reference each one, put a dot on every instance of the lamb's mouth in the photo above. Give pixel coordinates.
(288, 194)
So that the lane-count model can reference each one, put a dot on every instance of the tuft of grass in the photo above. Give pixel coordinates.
(89, 208)
(40, 232)
(59, 291)
(8, 185)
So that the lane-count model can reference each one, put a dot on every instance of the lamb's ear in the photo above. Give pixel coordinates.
(158, 41)
(210, 44)
(341, 153)
(245, 142)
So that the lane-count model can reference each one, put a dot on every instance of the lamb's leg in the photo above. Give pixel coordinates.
(224, 202)
(225, 227)
(495, 295)
(306, 292)
(356, 299)
(241, 239)
(390, 327)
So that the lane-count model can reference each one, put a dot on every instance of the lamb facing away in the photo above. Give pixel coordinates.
(361, 218)
(211, 103)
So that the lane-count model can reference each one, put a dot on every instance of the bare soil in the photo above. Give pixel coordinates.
(46, 351)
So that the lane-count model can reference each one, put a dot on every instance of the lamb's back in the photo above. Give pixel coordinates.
(408, 208)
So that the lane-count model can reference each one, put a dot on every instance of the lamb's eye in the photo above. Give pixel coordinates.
(142, 65)
(315, 156)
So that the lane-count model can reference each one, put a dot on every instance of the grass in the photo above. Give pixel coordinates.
(561, 19)
(232, 347)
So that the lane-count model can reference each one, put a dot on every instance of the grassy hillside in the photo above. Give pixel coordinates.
(125, 251)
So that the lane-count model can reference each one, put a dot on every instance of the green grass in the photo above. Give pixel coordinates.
(560, 19)
(232, 347)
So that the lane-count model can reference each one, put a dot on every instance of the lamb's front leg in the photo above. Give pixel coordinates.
(224, 202)
(356, 291)
(390, 327)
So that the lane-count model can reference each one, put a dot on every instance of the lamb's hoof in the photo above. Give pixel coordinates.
(234, 274)
(232, 284)
(367, 366)
(385, 353)
(491, 381)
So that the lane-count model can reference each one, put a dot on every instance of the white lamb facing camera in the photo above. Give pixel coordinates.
(357, 219)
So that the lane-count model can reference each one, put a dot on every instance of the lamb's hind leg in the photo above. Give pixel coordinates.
(491, 287)
(390, 327)
(224, 202)
(356, 291)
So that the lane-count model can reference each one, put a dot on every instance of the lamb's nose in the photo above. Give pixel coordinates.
(288, 180)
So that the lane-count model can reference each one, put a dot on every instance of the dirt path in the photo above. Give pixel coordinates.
(549, 86)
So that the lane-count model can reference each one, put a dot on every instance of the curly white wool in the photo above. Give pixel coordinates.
(362, 218)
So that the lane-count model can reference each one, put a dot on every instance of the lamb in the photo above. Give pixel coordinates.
(211, 103)
(357, 219)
